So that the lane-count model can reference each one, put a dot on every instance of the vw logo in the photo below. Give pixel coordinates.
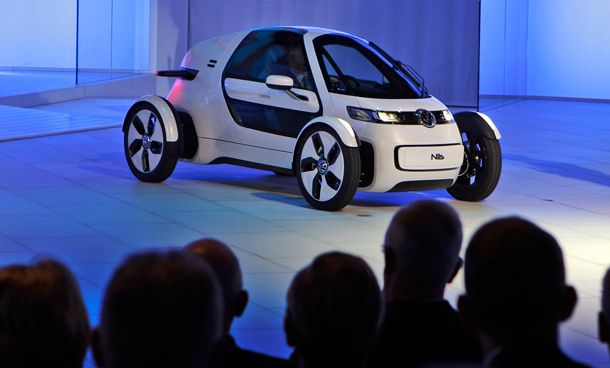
(425, 118)
(322, 166)
(146, 141)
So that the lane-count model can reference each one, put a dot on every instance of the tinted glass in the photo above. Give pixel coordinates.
(263, 53)
(336, 82)
(353, 67)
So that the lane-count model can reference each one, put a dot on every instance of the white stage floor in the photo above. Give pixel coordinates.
(72, 196)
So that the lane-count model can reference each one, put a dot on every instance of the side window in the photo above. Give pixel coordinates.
(263, 53)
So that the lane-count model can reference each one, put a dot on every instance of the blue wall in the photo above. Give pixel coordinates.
(38, 33)
(42, 34)
(545, 48)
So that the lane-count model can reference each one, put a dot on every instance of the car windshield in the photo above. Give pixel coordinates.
(353, 67)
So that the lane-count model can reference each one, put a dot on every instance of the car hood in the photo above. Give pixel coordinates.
(378, 104)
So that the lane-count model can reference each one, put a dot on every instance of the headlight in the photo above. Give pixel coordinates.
(357, 113)
(396, 117)
(448, 116)
(389, 117)
(361, 114)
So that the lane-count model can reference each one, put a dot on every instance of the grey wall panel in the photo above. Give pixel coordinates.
(439, 38)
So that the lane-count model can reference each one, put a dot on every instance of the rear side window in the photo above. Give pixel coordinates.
(267, 52)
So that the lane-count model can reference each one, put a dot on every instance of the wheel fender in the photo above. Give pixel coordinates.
(342, 127)
(477, 121)
(168, 114)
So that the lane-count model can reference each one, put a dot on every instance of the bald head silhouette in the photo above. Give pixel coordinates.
(226, 267)
(422, 246)
(515, 284)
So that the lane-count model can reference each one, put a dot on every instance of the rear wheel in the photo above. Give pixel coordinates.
(481, 169)
(146, 148)
(326, 169)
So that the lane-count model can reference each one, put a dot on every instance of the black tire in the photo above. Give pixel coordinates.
(149, 155)
(326, 169)
(481, 169)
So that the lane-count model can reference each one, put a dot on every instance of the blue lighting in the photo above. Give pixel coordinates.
(545, 48)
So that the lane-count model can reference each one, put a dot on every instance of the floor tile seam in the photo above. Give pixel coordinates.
(179, 192)
(19, 241)
(90, 227)
(305, 234)
(589, 209)
(586, 296)
(564, 325)
(52, 208)
(591, 234)
(215, 232)
(287, 272)
(543, 223)
(547, 176)
(13, 191)
(17, 251)
(584, 260)
(269, 309)
(555, 201)
(248, 250)
(360, 254)
(140, 249)
(551, 203)
(260, 258)
(100, 235)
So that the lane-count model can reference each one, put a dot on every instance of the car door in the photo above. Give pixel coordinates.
(263, 116)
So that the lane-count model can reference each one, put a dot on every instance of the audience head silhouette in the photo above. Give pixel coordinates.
(604, 314)
(226, 266)
(160, 309)
(422, 246)
(515, 285)
(334, 307)
(43, 320)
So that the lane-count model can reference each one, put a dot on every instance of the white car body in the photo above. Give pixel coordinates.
(398, 156)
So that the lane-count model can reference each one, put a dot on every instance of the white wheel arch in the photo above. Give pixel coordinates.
(342, 127)
(165, 110)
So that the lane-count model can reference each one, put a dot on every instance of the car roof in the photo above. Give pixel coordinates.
(305, 29)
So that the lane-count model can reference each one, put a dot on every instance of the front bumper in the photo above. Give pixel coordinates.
(413, 157)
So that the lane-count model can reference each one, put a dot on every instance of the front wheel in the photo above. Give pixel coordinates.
(481, 169)
(326, 169)
(146, 149)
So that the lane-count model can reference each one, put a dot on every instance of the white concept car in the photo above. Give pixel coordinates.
(330, 108)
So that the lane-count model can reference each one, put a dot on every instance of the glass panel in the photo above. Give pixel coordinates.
(336, 83)
(37, 46)
(113, 39)
(130, 37)
(357, 69)
(263, 53)
(364, 71)
(94, 41)
(503, 53)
